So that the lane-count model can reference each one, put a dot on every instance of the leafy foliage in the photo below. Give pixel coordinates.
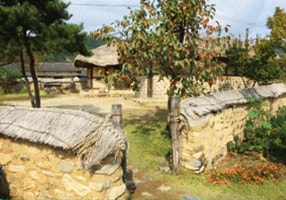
(277, 24)
(170, 38)
(36, 27)
(7, 73)
(263, 132)
(256, 62)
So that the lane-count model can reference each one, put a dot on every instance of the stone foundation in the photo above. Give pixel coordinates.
(37, 171)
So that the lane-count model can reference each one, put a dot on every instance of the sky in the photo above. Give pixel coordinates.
(239, 14)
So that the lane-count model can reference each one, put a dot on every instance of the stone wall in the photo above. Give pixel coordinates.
(37, 171)
(204, 137)
(160, 86)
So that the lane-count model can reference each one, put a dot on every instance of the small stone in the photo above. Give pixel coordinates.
(107, 169)
(164, 188)
(72, 185)
(198, 155)
(189, 197)
(116, 192)
(197, 163)
(25, 158)
(28, 184)
(5, 158)
(50, 174)
(28, 195)
(37, 176)
(16, 168)
(43, 165)
(66, 167)
(63, 195)
(147, 194)
(99, 187)
(131, 186)
(165, 169)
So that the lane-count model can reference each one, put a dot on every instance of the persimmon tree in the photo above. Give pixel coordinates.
(174, 39)
(30, 28)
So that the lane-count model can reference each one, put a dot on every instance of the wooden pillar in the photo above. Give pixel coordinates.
(174, 113)
(116, 118)
(116, 114)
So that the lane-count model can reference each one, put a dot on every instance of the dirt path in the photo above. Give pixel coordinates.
(95, 104)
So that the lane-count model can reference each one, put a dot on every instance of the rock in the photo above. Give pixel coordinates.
(164, 188)
(63, 195)
(51, 174)
(28, 183)
(72, 185)
(28, 195)
(190, 197)
(147, 194)
(16, 168)
(25, 157)
(131, 186)
(197, 163)
(43, 164)
(66, 167)
(99, 187)
(198, 155)
(5, 158)
(37, 176)
(165, 169)
(116, 192)
(107, 169)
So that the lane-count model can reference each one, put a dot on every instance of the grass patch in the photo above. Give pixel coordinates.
(149, 144)
(22, 96)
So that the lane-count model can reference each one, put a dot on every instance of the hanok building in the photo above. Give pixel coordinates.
(102, 63)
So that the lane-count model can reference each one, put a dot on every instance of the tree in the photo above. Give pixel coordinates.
(32, 28)
(277, 24)
(172, 38)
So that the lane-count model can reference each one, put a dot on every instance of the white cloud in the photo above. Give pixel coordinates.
(240, 14)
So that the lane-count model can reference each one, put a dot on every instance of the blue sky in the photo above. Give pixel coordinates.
(240, 14)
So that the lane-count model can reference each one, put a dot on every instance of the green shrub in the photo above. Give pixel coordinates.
(262, 132)
(10, 80)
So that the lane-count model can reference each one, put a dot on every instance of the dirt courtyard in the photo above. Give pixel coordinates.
(95, 104)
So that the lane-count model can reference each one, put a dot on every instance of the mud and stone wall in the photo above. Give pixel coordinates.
(36, 171)
(160, 86)
(204, 141)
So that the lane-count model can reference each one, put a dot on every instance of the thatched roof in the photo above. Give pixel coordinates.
(102, 56)
(195, 107)
(93, 138)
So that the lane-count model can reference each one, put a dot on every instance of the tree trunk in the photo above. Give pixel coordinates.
(36, 103)
(28, 89)
(173, 106)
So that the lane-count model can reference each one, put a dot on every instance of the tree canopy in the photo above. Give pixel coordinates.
(31, 28)
(277, 24)
(172, 38)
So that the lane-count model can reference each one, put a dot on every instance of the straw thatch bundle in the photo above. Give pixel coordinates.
(101, 56)
(91, 137)
(195, 107)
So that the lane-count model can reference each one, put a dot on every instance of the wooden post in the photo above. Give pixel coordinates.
(174, 113)
(116, 114)
(116, 118)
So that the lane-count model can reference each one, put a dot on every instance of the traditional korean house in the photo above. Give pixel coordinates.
(101, 64)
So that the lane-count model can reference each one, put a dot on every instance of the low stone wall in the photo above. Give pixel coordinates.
(36, 171)
(160, 86)
(210, 122)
